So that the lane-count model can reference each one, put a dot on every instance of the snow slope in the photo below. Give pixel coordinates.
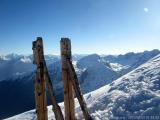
(135, 95)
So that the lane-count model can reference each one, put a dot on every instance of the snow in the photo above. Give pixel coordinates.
(118, 67)
(26, 60)
(2, 57)
(135, 95)
(19, 73)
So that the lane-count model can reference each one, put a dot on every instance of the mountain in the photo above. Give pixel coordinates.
(130, 61)
(93, 71)
(135, 95)
(15, 66)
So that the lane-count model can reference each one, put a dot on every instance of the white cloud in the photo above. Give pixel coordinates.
(146, 10)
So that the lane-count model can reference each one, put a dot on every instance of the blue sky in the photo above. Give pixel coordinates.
(94, 26)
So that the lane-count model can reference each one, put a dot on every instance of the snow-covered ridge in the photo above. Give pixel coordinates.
(134, 95)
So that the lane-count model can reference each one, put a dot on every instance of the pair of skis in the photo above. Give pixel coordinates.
(69, 77)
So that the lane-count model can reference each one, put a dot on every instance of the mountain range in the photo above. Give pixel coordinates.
(94, 71)
(135, 95)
